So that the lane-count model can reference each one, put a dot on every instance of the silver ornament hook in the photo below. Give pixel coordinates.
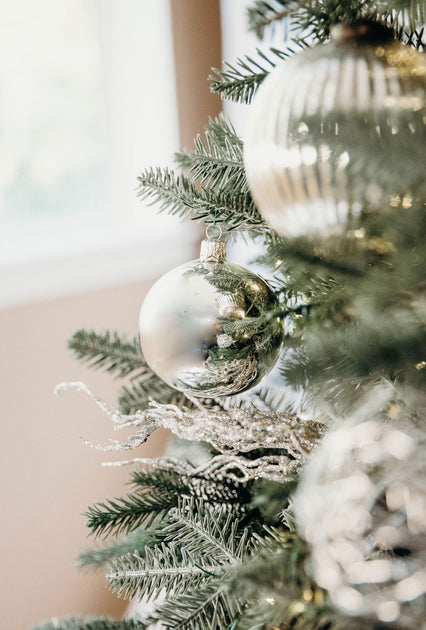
(214, 232)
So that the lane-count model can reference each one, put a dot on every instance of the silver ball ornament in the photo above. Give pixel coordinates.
(361, 505)
(335, 129)
(208, 327)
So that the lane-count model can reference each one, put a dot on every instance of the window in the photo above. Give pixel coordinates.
(87, 100)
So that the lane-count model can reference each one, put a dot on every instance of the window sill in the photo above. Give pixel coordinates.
(52, 267)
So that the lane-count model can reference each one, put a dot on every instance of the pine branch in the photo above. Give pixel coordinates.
(158, 492)
(276, 613)
(320, 16)
(263, 15)
(179, 196)
(372, 348)
(278, 557)
(205, 487)
(208, 607)
(317, 17)
(240, 82)
(326, 257)
(137, 396)
(222, 130)
(118, 355)
(125, 514)
(174, 193)
(92, 623)
(217, 161)
(137, 541)
(109, 351)
(349, 335)
(213, 605)
(200, 542)
(200, 528)
(163, 567)
(406, 14)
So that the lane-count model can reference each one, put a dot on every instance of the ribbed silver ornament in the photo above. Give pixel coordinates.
(336, 129)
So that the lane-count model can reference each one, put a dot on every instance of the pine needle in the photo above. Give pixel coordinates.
(110, 351)
(123, 515)
(217, 161)
(239, 82)
(179, 196)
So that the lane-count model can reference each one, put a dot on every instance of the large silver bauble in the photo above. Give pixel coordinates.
(335, 129)
(208, 327)
(361, 504)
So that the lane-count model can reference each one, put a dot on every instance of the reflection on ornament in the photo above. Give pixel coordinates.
(335, 128)
(362, 507)
(208, 327)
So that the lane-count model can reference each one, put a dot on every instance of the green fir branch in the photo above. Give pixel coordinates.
(279, 557)
(206, 488)
(208, 607)
(216, 603)
(372, 348)
(116, 354)
(179, 196)
(137, 541)
(109, 351)
(123, 515)
(222, 130)
(158, 491)
(407, 14)
(352, 328)
(208, 530)
(201, 542)
(275, 612)
(317, 17)
(320, 16)
(217, 162)
(320, 257)
(162, 567)
(173, 193)
(240, 81)
(264, 15)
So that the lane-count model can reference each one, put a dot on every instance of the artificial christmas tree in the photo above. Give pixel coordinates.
(253, 519)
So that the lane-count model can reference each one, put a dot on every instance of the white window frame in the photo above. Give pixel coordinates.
(127, 241)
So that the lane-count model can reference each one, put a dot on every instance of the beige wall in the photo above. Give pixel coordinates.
(197, 49)
(48, 476)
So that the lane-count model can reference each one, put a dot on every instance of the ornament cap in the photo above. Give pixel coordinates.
(361, 31)
(212, 251)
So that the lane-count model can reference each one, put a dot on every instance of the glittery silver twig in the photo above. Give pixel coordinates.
(235, 467)
(230, 432)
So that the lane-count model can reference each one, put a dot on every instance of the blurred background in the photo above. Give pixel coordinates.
(91, 93)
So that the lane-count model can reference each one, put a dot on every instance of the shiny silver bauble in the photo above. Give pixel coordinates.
(361, 504)
(210, 327)
(336, 129)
